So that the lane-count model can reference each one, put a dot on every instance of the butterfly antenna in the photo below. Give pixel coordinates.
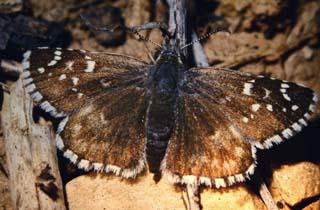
(206, 36)
(134, 30)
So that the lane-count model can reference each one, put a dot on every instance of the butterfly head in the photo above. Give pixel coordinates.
(170, 51)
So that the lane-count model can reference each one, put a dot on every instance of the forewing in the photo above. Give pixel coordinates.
(62, 80)
(265, 110)
(102, 99)
(221, 113)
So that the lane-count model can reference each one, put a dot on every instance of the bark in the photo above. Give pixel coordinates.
(34, 176)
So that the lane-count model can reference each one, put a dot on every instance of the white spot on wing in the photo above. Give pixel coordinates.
(307, 116)
(114, 169)
(57, 52)
(80, 95)
(312, 108)
(37, 96)
(231, 180)
(294, 107)
(27, 81)
(75, 80)
(282, 90)
(255, 107)
(30, 88)
(90, 66)
(62, 124)
(26, 64)
(315, 98)
(189, 179)
(267, 93)
(219, 182)
(285, 96)
(247, 89)
(57, 58)
(239, 178)
(205, 181)
(274, 139)
(303, 122)
(25, 74)
(287, 133)
(97, 167)
(296, 127)
(132, 172)
(71, 156)
(52, 63)
(41, 70)
(62, 77)
(270, 107)
(43, 48)
(283, 85)
(245, 119)
(84, 164)
(59, 142)
(27, 54)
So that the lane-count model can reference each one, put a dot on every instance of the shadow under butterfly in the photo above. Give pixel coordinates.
(199, 125)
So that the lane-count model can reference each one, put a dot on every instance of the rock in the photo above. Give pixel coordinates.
(238, 197)
(313, 206)
(294, 183)
(300, 67)
(106, 192)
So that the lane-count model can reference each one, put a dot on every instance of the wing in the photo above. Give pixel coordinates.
(223, 115)
(101, 98)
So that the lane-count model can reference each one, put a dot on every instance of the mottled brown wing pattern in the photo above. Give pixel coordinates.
(75, 75)
(206, 145)
(102, 100)
(221, 110)
(265, 110)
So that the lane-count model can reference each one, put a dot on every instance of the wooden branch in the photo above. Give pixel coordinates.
(177, 21)
(265, 193)
(11, 68)
(35, 182)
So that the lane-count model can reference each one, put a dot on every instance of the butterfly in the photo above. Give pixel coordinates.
(122, 115)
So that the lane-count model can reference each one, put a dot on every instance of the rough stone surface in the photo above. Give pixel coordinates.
(294, 183)
(238, 197)
(109, 192)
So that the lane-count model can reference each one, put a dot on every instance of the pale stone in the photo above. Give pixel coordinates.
(113, 193)
(295, 183)
(238, 197)
(109, 192)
